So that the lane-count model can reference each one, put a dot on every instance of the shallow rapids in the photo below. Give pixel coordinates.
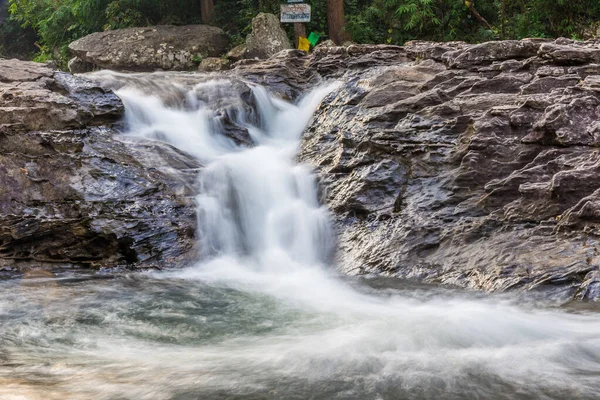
(263, 314)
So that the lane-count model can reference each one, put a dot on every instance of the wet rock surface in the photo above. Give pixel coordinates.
(470, 165)
(73, 192)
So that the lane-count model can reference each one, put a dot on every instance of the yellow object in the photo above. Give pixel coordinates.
(303, 44)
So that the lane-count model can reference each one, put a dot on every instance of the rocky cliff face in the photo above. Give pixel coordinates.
(71, 193)
(471, 165)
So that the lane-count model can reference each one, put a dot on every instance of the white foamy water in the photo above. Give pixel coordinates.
(264, 315)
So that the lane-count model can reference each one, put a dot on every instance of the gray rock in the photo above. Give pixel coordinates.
(211, 64)
(147, 49)
(77, 66)
(326, 43)
(237, 53)
(267, 38)
(573, 53)
(285, 73)
(491, 51)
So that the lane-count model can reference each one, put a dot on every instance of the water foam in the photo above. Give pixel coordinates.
(264, 314)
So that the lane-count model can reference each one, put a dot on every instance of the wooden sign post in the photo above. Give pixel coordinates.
(299, 31)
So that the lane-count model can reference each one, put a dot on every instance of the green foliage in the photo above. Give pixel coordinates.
(58, 22)
(398, 21)
(550, 18)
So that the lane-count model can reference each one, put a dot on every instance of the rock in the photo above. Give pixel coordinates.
(469, 165)
(491, 51)
(73, 196)
(569, 54)
(147, 49)
(18, 71)
(267, 38)
(34, 97)
(285, 73)
(326, 43)
(590, 288)
(211, 64)
(237, 53)
(77, 66)
(418, 49)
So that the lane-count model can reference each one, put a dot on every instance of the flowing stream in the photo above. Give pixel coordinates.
(264, 315)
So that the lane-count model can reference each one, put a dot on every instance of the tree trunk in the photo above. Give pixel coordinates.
(336, 21)
(207, 10)
(299, 30)
(477, 16)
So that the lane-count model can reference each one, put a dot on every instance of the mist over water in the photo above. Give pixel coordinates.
(264, 315)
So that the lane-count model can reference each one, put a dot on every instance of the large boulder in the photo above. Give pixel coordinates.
(146, 49)
(267, 38)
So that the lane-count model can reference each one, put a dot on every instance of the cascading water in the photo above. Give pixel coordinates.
(263, 315)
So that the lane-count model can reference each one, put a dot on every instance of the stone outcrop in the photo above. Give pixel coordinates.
(73, 195)
(267, 38)
(469, 165)
(148, 49)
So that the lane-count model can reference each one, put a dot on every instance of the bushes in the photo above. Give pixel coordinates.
(58, 22)
(396, 21)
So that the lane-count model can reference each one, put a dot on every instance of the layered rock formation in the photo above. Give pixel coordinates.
(73, 195)
(471, 165)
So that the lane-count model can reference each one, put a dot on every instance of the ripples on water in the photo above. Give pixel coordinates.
(264, 316)
(182, 336)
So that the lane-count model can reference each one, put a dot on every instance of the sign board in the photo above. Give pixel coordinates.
(295, 1)
(295, 13)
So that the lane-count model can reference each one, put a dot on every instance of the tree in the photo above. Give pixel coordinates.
(207, 11)
(336, 21)
(471, 6)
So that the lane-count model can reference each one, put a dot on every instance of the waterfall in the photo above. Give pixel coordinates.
(253, 202)
(263, 313)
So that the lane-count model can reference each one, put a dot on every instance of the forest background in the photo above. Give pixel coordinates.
(42, 29)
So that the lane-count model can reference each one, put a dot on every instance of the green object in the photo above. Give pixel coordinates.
(313, 38)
